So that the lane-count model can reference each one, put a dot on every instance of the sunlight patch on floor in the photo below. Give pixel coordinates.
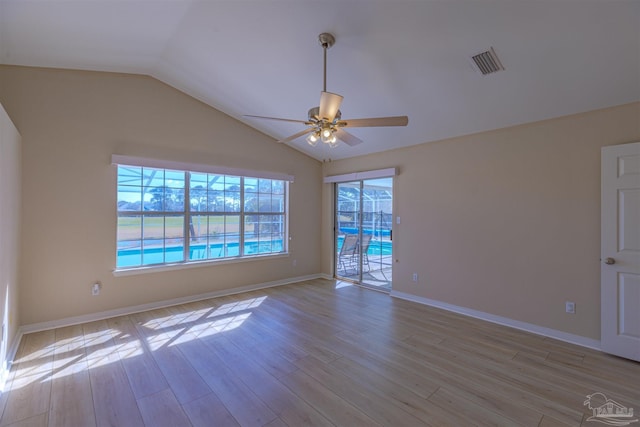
(217, 326)
(238, 306)
(93, 350)
(156, 342)
(342, 284)
(68, 366)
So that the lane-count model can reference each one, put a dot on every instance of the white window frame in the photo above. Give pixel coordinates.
(120, 160)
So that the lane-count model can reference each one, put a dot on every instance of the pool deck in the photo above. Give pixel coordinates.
(377, 274)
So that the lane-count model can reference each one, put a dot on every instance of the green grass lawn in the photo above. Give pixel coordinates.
(130, 227)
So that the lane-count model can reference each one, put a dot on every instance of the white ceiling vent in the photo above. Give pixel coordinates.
(487, 62)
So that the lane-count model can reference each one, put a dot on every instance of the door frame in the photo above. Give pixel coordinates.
(361, 184)
(357, 176)
(619, 265)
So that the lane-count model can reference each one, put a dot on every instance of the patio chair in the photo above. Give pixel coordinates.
(364, 247)
(348, 251)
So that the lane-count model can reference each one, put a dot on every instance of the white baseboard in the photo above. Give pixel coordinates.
(75, 320)
(505, 321)
(326, 276)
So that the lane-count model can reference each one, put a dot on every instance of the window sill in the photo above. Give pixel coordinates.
(192, 264)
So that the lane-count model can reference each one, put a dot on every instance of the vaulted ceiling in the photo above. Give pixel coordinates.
(390, 58)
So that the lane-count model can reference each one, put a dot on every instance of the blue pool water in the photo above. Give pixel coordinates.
(353, 230)
(136, 257)
(376, 247)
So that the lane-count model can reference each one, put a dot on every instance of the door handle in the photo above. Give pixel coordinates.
(609, 261)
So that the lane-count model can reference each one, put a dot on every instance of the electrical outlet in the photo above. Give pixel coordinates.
(414, 277)
(570, 307)
(295, 262)
(95, 289)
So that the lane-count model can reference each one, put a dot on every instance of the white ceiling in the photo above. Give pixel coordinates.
(392, 57)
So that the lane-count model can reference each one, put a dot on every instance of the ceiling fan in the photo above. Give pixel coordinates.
(325, 122)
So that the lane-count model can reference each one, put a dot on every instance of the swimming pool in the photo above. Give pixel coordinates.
(134, 257)
(376, 247)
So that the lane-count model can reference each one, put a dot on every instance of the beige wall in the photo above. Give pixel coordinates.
(506, 222)
(9, 234)
(71, 123)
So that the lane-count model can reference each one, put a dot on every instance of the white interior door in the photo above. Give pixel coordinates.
(620, 270)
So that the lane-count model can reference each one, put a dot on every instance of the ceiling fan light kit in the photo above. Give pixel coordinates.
(325, 121)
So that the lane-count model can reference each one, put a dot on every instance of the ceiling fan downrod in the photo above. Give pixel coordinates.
(326, 41)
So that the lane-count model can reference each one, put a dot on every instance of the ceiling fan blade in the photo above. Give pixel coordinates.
(296, 135)
(347, 138)
(329, 105)
(277, 118)
(375, 122)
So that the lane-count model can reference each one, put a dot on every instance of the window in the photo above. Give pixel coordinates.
(173, 216)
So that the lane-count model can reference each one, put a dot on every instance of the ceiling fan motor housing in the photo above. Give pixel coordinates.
(314, 115)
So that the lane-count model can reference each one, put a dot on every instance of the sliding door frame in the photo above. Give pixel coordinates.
(359, 178)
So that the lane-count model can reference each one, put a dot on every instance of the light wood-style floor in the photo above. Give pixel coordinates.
(306, 354)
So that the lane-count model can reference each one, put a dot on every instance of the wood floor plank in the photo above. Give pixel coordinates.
(468, 412)
(376, 405)
(422, 385)
(285, 328)
(581, 381)
(480, 387)
(448, 365)
(277, 423)
(37, 421)
(398, 394)
(263, 334)
(275, 359)
(71, 400)
(243, 404)
(113, 400)
(438, 363)
(209, 411)
(286, 405)
(309, 353)
(330, 405)
(31, 386)
(162, 410)
(185, 382)
(550, 422)
(535, 392)
(143, 373)
(9, 381)
(464, 387)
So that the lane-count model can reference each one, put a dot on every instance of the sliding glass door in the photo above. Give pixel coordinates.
(363, 232)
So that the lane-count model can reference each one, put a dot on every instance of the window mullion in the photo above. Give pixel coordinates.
(241, 227)
(164, 216)
(186, 242)
(285, 234)
(141, 225)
